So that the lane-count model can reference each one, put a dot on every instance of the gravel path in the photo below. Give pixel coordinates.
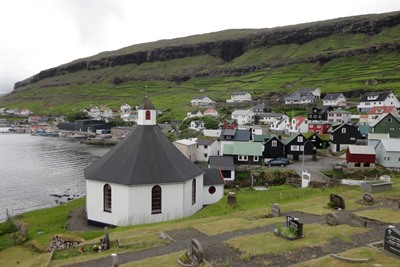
(217, 253)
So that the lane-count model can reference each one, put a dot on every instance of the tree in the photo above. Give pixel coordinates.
(188, 133)
(77, 116)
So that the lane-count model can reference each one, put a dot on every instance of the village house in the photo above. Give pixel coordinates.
(388, 153)
(339, 116)
(243, 116)
(210, 112)
(273, 148)
(320, 141)
(224, 164)
(360, 156)
(201, 101)
(239, 97)
(319, 127)
(298, 146)
(386, 124)
(188, 148)
(297, 125)
(228, 136)
(279, 124)
(374, 99)
(193, 114)
(303, 96)
(374, 139)
(319, 113)
(197, 125)
(146, 179)
(334, 100)
(343, 135)
(205, 149)
(248, 153)
(375, 113)
(230, 124)
(261, 108)
(269, 118)
(125, 108)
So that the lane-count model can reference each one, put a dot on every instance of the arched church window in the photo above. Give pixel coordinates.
(107, 198)
(148, 115)
(193, 191)
(156, 199)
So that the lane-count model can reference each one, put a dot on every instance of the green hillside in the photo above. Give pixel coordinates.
(343, 61)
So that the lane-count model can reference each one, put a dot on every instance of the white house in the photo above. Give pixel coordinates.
(243, 116)
(339, 116)
(187, 148)
(239, 97)
(374, 99)
(297, 125)
(279, 124)
(201, 101)
(196, 125)
(269, 118)
(205, 149)
(125, 107)
(388, 153)
(146, 179)
(334, 100)
(195, 113)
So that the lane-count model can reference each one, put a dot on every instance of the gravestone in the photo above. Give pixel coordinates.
(357, 221)
(295, 224)
(332, 219)
(368, 199)
(337, 201)
(232, 198)
(196, 253)
(391, 242)
(276, 210)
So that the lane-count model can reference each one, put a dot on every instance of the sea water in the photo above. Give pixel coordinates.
(38, 172)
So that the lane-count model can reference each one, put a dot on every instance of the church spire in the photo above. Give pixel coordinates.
(146, 113)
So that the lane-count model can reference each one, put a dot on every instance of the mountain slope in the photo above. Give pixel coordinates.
(355, 53)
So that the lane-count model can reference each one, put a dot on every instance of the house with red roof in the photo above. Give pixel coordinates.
(376, 113)
(297, 125)
(210, 112)
(360, 156)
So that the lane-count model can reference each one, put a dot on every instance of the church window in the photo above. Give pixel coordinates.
(107, 198)
(148, 115)
(212, 190)
(156, 199)
(193, 191)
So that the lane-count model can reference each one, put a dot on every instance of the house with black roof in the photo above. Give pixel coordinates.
(224, 164)
(273, 148)
(373, 99)
(343, 135)
(319, 113)
(145, 179)
(297, 146)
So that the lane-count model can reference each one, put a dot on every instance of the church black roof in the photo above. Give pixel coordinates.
(145, 156)
(213, 177)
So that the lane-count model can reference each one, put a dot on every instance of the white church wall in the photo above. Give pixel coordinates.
(210, 198)
(95, 206)
(188, 208)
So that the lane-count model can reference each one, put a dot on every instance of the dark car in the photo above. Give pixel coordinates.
(277, 162)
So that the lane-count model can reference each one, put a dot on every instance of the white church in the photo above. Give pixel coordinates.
(146, 179)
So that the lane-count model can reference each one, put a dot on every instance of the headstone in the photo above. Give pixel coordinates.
(391, 242)
(196, 253)
(332, 219)
(368, 199)
(357, 221)
(114, 260)
(232, 198)
(295, 224)
(337, 201)
(276, 210)
(385, 178)
(106, 240)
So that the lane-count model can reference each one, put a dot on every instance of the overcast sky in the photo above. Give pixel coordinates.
(41, 34)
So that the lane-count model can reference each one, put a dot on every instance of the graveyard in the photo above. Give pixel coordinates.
(343, 226)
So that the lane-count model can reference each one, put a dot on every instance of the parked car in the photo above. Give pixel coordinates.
(277, 162)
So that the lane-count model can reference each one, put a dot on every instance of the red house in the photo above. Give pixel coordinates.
(230, 124)
(319, 127)
(360, 156)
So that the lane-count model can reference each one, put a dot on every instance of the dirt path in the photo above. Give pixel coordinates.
(217, 253)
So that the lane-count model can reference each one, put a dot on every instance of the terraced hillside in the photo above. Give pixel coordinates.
(350, 55)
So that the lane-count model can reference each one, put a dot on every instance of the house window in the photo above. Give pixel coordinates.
(156, 199)
(212, 190)
(343, 130)
(294, 148)
(300, 139)
(255, 158)
(205, 147)
(193, 191)
(205, 155)
(387, 158)
(274, 143)
(148, 115)
(243, 158)
(107, 198)
(389, 119)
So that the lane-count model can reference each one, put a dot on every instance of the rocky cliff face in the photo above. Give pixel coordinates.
(228, 50)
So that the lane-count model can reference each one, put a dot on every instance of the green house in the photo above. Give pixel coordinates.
(388, 124)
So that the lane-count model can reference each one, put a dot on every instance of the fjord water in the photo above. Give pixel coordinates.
(34, 168)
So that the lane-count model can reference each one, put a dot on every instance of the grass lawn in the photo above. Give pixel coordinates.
(384, 215)
(314, 235)
(22, 256)
(375, 257)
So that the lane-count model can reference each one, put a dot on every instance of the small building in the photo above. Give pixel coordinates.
(239, 97)
(320, 141)
(339, 116)
(388, 153)
(269, 118)
(210, 112)
(230, 124)
(303, 96)
(343, 135)
(374, 99)
(197, 125)
(374, 139)
(213, 188)
(188, 148)
(193, 114)
(376, 113)
(298, 146)
(319, 127)
(261, 108)
(319, 113)
(205, 149)
(297, 125)
(244, 153)
(279, 125)
(273, 148)
(243, 116)
(386, 124)
(360, 156)
(201, 101)
(334, 100)
(224, 164)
